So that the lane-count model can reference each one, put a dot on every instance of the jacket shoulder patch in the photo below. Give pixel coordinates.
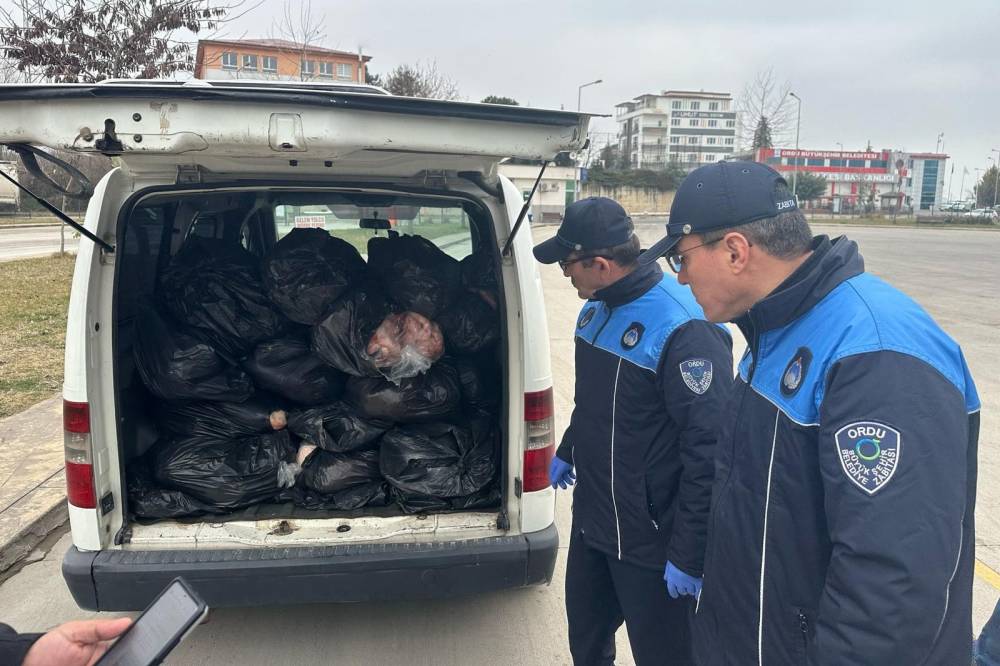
(697, 374)
(869, 453)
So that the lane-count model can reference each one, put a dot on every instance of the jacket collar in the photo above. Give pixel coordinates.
(830, 263)
(630, 287)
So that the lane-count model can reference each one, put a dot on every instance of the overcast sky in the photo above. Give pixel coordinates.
(893, 73)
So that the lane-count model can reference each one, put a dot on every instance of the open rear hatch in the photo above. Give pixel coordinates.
(205, 135)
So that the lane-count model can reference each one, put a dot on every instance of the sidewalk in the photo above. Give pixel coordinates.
(32, 482)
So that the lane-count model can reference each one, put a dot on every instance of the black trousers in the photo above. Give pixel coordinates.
(602, 592)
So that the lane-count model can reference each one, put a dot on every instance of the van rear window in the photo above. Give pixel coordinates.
(448, 227)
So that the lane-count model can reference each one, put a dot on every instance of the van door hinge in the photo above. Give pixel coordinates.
(517, 486)
(189, 174)
(503, 522)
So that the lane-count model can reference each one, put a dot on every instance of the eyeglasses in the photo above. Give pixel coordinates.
(676, 259)
(566, 263)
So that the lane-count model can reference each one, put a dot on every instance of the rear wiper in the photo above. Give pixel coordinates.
(524, 211)
(107, 247)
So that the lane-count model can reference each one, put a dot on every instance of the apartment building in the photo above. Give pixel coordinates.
(684, 127)
(276, 59)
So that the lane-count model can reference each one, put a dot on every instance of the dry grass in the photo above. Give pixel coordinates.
(34, 295)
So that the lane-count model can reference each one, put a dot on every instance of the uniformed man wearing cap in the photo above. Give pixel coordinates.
(651, 380)
(841, 529)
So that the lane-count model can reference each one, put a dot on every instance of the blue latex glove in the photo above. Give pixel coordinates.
(561, 473)
(679, 583)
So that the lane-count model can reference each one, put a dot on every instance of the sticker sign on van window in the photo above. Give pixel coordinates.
(310, 221)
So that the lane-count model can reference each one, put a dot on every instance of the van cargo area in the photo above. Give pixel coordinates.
(309, 366)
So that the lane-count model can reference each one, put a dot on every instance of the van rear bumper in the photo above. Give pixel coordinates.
(122, 580)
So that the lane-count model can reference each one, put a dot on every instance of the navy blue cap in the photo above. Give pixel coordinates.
(593, 223)
(720, 196)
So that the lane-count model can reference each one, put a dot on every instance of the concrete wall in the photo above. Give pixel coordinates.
(636, 200)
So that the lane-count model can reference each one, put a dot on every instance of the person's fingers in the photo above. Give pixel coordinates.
(572, 476)
(672, 589)
(95, 631)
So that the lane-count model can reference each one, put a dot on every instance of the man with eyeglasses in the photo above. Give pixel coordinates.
(841, 529)
(651, 379)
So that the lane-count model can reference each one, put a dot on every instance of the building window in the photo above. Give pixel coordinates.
(692, 157)
(675, 139)
(229, 60)
(812, 161)
(693, 122)
(695, 106)
(713, 106)
(692, 139)
(730, 123)
(326, 70)
(713, 123)
(710, 140)
(729, 141)
(834, 162)
(674, 122)
(709, 157)
(725, 106)
(879, 164)
(857, 164)
(659, 123)
(308, 67)
(345, 71)
(270, 63)
(250, 62)
(674, 157)
(676, 104)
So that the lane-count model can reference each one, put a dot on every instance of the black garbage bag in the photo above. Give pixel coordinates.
(147, 500)
(329, 473)
(488, 497)
(469, 325)
(225, 473)
(337, 427)
(220, 420)
(479, 375)
(215, 287)
(439, 460)
(175, 365)
(478, 271)
(365, 495)
(290, 368)
(307, 270)
(432, 395)
(415, 273)
(342, 338)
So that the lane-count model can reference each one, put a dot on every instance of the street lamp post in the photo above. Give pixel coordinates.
(579, 91)
(840, 145)
(940, 141)
(798, 122)
(996, 182)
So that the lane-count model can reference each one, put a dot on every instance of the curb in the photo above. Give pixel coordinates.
(31, 226)
(48, 518)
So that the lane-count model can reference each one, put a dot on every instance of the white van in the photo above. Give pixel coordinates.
(247, 161)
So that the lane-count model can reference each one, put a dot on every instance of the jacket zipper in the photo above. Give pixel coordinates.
(804, 631)
(614, 502)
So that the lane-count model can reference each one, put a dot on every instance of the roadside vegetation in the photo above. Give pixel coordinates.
(34, 295)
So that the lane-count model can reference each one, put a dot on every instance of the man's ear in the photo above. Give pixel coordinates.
(737, 249)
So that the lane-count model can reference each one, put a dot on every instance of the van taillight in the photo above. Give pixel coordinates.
(79, 455)
(541, 444)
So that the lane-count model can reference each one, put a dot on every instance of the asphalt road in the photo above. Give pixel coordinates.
(950, 272)
(17, 242)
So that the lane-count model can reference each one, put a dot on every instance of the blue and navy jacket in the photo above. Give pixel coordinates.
(651, 378)
(841, 529)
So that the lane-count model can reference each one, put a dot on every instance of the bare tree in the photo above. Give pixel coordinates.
(420, 80)
(297, 31)
(766, 116)
(91, 40)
